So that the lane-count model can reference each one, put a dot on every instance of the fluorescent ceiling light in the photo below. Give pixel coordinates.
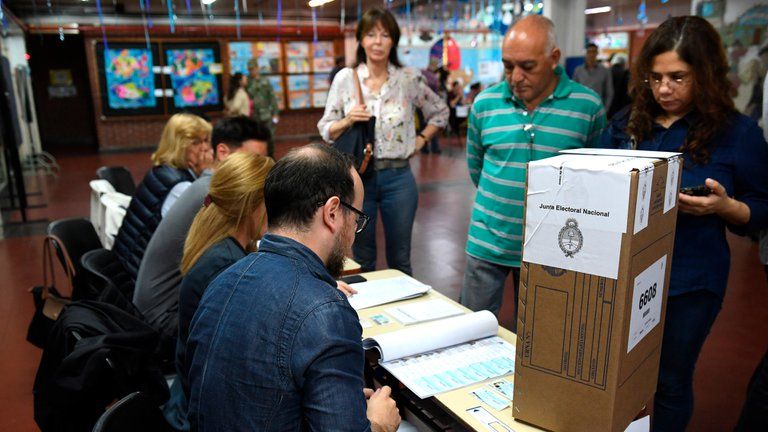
(208, 2)
(317, 3)
(597, 10)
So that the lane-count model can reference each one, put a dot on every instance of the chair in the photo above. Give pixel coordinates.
(133, 413)
(77, 236)
(119, 177)
(108, 279)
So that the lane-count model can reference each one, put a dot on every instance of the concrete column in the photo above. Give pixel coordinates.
(570, 23)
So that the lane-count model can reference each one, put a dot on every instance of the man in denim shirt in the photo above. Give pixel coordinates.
(274, 345)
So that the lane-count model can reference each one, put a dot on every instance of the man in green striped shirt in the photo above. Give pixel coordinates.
(534, 113)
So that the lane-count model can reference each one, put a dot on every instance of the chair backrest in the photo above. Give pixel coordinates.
(120, 178)
(133, 413)
(77, 236)
(108, 279)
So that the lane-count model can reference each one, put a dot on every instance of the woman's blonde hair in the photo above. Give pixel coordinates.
(181, 131)
(236, 191)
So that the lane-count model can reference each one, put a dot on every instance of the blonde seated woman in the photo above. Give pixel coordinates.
(183, 153)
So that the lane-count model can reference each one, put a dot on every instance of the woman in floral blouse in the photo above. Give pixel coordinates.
(391, 93)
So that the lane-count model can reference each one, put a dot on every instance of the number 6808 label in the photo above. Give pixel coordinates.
(648, 291)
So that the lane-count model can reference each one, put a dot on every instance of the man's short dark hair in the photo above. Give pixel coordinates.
(304, 179)
(592, 45)
(233, 131)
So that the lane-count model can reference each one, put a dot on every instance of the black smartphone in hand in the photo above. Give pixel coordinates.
(700, 190)
(351, 279)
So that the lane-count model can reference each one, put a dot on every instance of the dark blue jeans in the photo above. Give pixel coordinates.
(689, 318)
(392, 192)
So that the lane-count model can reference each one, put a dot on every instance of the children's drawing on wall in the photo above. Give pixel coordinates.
(747, 44)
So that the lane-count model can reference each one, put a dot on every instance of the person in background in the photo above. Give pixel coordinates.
(433, 82)
(681, 103)
(157, 284)
(595, 76)
(620, 77)
(238, 103)
(224, 230)
(182, 155)
(754, 414)
(455, 97)
(338, 65)
(274, 345)
(532, 114)
(391, 93)
(265, 107)
(474, 90)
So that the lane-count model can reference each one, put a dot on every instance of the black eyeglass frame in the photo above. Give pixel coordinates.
(362, 218)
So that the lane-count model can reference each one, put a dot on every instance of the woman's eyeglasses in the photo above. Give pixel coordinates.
(674, 82)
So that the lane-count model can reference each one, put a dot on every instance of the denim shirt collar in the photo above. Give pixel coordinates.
(272, 243)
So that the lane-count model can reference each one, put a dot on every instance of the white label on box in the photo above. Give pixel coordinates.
(646, 302)
(569, 246)
(576, 212)
(643, 204)
(670, 198)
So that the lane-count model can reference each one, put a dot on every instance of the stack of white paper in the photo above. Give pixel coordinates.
(379, 292)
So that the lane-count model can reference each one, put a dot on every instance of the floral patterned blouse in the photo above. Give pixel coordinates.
(394, 108)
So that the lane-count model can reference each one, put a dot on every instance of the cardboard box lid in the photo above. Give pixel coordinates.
(619, 152)
(577, 208)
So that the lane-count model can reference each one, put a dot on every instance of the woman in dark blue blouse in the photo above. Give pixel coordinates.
(681, 103)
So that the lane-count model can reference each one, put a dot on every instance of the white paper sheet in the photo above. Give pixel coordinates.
(439, 334)
(618, 152)
(379, 292)
(422, 311)
(646, 302)
(640, 425)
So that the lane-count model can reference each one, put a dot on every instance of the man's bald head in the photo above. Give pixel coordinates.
(530, 56)
(534, 29)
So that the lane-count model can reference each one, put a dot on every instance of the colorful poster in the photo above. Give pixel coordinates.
(320, 82)
(239, 54)
(323, 64)
(297, 49)
(298, 82)
(319, 98)
(322, 49)
(130, 83)
(277, 85)
(298, 100)
(298, 65)
(192, 77)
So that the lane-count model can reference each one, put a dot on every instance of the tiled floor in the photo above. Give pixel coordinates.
(737, 341)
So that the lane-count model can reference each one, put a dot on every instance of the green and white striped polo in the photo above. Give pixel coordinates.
(502, 137)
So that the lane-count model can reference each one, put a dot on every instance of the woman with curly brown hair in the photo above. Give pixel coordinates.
(681, 103)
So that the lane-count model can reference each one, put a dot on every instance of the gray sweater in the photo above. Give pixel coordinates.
(157, 284)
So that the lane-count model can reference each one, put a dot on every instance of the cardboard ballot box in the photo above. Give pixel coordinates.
(599, 232)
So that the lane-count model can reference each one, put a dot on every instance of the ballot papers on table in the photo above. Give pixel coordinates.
(423, 311)
(383, 291)
(445, 355)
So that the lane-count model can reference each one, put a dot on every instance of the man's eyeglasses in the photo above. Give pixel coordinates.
(674, 82)
(362, 218)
